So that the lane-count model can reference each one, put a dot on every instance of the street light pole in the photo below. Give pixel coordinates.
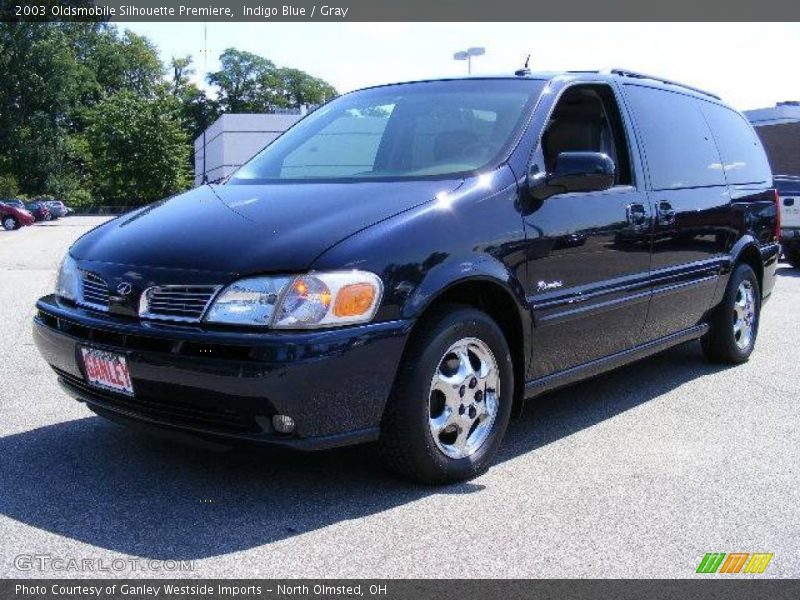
(468, 54)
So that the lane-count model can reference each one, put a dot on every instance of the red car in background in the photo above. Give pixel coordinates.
(13, 218)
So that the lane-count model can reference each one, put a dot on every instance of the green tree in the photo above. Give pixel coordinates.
(138, 149)
(57, 79)
(251, 83)
(181, 71)
(298, 87)
(198, 111)
(241, 80)
(127, 62)
(52, 75)
(41, 81)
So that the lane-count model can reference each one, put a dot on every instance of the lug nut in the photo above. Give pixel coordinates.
(283, 423)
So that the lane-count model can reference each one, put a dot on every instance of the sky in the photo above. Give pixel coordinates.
(750, 65)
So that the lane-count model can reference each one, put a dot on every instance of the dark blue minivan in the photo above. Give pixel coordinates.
(411, 262)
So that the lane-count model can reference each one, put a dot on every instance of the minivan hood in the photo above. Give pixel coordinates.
(251, 228)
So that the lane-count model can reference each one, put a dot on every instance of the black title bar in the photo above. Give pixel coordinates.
(411, 589)
(398, 10)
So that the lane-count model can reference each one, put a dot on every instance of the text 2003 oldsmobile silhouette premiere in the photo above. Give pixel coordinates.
(410, 262)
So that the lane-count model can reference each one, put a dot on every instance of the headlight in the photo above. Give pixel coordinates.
(300, 302)
(68, 279)
(248, 302)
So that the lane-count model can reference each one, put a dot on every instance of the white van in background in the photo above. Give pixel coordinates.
(788, 187)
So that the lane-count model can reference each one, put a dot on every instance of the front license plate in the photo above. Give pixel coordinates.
(107, 370)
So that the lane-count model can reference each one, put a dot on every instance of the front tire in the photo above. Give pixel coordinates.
(10, 223)
(452, 398)
(734, 324)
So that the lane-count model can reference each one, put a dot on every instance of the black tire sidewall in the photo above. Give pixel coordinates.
(463, 323)
(16, 223)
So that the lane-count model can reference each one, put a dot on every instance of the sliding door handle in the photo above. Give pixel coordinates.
(665, 213)
(636, 214)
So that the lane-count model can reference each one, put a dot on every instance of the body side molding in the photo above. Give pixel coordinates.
(608, 363)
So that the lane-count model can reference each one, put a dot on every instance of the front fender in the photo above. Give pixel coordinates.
(464, 269)
(444, 281)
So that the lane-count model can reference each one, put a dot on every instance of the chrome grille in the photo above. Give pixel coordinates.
(177, 302)
(94, 291)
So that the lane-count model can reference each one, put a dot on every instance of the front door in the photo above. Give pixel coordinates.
(588, 253)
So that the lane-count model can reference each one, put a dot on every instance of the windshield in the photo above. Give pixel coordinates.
(417, 130)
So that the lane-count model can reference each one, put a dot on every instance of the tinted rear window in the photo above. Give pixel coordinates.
(678, 145)
(743, 158)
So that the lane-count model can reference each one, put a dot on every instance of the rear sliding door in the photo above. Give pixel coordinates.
(691, 202)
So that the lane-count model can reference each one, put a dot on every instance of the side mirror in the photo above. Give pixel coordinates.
(581, 172)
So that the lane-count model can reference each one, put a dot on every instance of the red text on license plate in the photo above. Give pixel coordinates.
(107, 370)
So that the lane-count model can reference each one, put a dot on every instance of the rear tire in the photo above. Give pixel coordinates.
(734, 324)
(451, 400)
(10, 223)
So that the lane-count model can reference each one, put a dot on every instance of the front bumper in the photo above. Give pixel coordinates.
(228, 384)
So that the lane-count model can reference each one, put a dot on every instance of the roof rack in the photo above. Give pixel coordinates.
(636, 75)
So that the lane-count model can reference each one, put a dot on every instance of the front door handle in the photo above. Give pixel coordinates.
(635, 214)
(665, 213)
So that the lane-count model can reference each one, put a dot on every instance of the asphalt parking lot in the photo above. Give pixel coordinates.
(635, 474)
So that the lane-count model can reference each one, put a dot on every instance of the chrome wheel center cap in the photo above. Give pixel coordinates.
(464, 398)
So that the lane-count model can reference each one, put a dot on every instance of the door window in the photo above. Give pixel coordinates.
(743, 158)
(678, 145)
(586, 119)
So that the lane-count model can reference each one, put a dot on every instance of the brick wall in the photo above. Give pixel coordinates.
(782, 143)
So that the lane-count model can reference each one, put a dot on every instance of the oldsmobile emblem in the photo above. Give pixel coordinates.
(124, 288)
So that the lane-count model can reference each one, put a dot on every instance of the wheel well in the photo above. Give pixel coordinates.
(752, 257)
(495, 301)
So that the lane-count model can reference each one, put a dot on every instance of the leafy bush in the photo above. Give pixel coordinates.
(9, 187)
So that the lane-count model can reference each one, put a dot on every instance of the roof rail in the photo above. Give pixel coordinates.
(636, 75)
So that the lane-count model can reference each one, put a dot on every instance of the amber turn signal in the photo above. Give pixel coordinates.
(354, 299)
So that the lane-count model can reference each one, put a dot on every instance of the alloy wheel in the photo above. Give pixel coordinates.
(464, 398)
(744, 315)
